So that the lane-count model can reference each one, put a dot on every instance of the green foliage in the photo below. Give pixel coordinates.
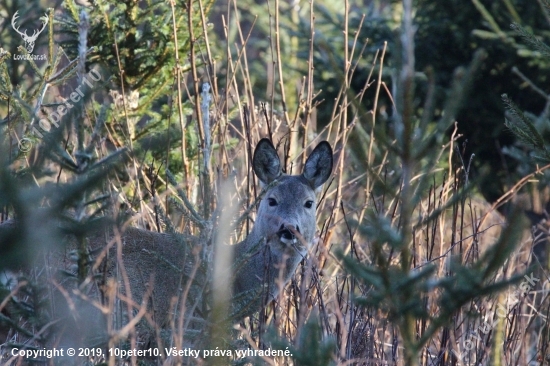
(535, 42)
(531, 130)
(401, 293)
(448, 32)
(134, 44)
(137, 36)
(311, 348)
(525, 130)
(44, 214)
(402, 290)
(448, 35)
(53, 171)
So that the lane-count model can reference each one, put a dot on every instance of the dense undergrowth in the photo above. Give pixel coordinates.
(411, 265)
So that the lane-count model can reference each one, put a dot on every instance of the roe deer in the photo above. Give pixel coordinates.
(158, 266)
(284, 227)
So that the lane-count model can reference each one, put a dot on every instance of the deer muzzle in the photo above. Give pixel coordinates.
(286, 233)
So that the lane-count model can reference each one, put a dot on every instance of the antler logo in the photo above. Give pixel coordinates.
(29, 40)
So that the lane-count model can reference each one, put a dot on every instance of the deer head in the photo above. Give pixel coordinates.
(29, 40)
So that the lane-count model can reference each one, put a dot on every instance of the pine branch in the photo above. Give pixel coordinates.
(531, 39)
(524, 129)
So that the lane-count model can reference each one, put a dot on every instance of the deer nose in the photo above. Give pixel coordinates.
(285, 234)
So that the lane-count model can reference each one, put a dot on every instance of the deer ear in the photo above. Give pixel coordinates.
(318, 166)
(266, 163)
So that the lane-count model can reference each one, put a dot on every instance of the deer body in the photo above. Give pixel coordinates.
(156, 268)
(282, 234)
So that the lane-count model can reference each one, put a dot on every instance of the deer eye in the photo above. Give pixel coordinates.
(272, 201)
(308, 204)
